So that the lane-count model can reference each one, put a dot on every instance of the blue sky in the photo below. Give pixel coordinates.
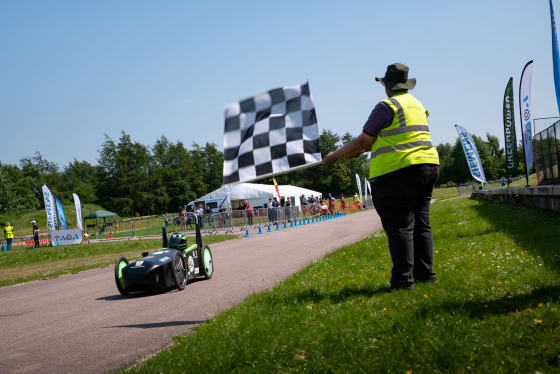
(72, 71)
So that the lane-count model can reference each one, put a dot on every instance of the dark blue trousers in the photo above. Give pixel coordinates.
(402, 200)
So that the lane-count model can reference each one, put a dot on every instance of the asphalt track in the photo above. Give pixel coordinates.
(80, 323)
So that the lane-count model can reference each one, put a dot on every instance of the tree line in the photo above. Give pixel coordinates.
(133, 179)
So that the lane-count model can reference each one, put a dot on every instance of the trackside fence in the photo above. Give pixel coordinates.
(231, 221)
(468, 189)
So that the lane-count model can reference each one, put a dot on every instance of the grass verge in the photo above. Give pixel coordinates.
(494, 308)
(23, 264)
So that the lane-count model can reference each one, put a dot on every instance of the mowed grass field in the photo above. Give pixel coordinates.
(494, 308)
(23, 264)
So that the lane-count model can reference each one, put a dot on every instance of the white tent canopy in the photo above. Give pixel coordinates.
(258, 194)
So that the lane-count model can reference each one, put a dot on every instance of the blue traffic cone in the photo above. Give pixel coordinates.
(277, 226)
(33, 246)
(247, 234)
(260, 230)
(292, 224)
(269, 230)
(3, 247)
(285, 225)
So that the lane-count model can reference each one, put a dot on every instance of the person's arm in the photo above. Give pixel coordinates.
(352, 149)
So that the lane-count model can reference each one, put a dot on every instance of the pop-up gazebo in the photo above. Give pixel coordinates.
(97, 216)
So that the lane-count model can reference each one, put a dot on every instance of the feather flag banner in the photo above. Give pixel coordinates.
(475, 166)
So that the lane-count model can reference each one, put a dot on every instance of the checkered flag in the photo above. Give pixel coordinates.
(270, 134)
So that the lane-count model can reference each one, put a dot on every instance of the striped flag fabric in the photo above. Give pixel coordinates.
(270, 134)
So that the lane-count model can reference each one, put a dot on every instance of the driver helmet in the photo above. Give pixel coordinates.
(178, 241)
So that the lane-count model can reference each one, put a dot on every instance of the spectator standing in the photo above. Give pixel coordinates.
(342, 204)
(276, 209)
(183, 218)
(222, 212)
(303, 201)
(249, 212)
(244, 209)
(270, 210)
(288, 209)
(404, 168)
(9, 235)
(331, 201)
(208, 214)
(199, 215)
(35, 233)
(357, 200)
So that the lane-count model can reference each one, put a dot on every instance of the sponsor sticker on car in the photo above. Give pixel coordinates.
(160, 252)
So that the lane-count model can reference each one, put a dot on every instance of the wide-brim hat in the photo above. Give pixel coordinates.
(396, 78)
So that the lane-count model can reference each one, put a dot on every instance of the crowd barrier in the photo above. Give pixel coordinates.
(227, 222)
(468, 189)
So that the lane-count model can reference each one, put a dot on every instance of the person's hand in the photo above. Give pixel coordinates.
(329, 159)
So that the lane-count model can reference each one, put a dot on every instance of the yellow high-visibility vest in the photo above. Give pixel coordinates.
(406, 141)
(9, 230)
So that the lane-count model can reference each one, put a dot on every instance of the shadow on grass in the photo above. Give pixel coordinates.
(501, 306)
(477, 309)
(311, 295)
(534, 229)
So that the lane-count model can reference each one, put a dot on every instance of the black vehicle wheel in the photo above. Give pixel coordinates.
(207, 265)
(121, 263)
(179, 270)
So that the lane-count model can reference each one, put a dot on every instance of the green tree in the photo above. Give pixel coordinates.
(15, 193)
(78, 177)
(40, 172)
(123, 177)
(445, 160)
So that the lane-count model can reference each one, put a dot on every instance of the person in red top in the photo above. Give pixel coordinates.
(249, 211)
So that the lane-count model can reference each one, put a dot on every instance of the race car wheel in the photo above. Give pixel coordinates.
(179, 270)
(121, 263)
(207, 267)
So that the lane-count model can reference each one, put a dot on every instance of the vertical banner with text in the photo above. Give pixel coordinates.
(50, 208)
(61, 215)
(525, 109)
(359, 187)
(473, 159)
(555, 56)
(78, 211)
(510, 138)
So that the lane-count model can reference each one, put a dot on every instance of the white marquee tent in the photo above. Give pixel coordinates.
(257, 194)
